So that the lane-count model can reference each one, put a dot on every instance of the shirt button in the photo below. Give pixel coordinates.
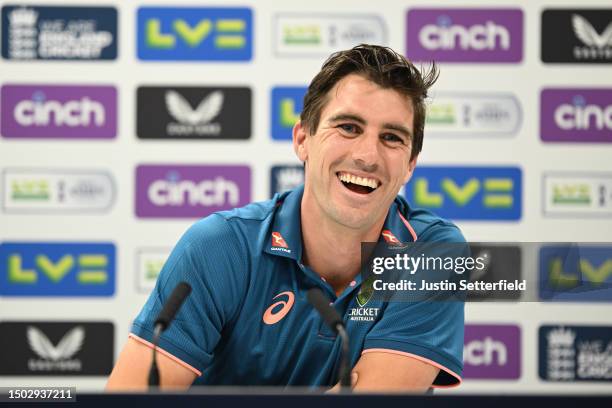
(353, 283)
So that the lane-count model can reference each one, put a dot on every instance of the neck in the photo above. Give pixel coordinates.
(331, 249)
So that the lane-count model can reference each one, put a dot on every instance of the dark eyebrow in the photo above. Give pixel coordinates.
(391, 126)
(347, 116)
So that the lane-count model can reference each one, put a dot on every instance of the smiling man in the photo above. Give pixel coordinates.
(247, 321)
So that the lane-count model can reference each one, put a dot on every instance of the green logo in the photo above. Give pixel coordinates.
(441, 115)
(572, 194)
(30, 190)
(304, 35)
(366, 291)
(562, 279)
(497, 192)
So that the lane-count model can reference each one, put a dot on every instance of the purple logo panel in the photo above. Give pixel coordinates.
(50, 111)
(465, 35)
(177, 191)
(576, 115)
(492, 352)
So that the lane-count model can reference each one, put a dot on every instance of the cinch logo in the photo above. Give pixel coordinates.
(575, 353)
(576, 115)
(284, 178)
(465, 114)
(193, 113)
(278, 310)
(576, 273)
(465, 35)
(321, 34)
(492, 351)
(467, 193)
(56, 348)
(40, 190)
(149, 263)
(577, 36)
(206, 34)
(57, 269)
(59, 111)
(66, 33)
(287, 105)
(577, 194)
(190, 191)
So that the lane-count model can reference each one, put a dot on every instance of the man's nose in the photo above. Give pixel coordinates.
(365, 151)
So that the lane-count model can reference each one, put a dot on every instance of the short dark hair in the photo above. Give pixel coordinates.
(384, 67)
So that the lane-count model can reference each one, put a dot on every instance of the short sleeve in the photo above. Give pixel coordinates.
(430, 331)
(213, 261)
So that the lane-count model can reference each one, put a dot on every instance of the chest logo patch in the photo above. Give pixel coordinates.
(278, 240)
(278, 310)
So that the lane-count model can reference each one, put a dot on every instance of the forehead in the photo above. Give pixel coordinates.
(356, 94)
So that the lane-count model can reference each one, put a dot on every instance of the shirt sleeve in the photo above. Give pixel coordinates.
(430, 331)
(211, 258)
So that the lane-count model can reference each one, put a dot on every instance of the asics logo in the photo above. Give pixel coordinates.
(278, 310)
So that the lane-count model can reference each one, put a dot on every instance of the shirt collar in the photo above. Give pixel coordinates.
(285, 235)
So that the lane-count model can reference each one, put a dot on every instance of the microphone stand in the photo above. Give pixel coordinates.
(154, 371)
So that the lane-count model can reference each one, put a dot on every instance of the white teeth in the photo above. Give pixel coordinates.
(362, 181)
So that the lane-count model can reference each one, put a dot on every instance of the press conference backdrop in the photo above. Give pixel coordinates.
(124, 122)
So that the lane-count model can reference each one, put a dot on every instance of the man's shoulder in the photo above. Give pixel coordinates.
(239, 226)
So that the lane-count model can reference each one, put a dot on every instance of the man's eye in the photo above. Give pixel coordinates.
(348, 127)
(390, 137)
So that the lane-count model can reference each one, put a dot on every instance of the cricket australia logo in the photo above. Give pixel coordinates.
(55, 358)
(361, 313)
(194, 122)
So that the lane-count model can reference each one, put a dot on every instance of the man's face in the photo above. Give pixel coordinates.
(359, 157)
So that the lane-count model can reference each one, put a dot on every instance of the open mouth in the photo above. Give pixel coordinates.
(360, 185)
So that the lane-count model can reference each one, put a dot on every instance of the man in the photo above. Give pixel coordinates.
(247, 320)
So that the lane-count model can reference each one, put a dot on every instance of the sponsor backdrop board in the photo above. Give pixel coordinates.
(121, 124)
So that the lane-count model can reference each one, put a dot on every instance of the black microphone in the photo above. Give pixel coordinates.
(164, 318)
(333, 320)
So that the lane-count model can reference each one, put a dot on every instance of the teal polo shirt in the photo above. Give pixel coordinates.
(248, 321)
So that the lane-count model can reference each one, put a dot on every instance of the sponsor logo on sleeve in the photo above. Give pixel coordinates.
(287, 105)
(492, 352)
(195, 33)
(575, 353)
(577, 194)
(180, 191)
(284, 178)
(59, 33)
(459, 114)
(576, 273)
(57, 190)
(465, 35)
(59, 111)
(467, 193)
(321, 34)
(149, 263)
(577, 36)
(193, 113)
(57, 269)
(576, 115)
(56, 348)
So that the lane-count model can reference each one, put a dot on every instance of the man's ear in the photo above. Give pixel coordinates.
(300, 146)
(411, 165)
